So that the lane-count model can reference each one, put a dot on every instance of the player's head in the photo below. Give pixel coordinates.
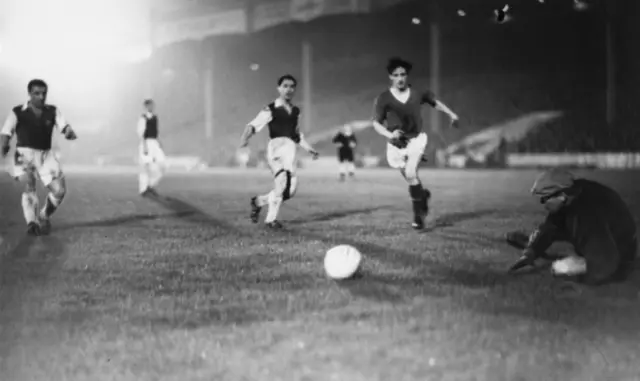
(347, 129)
(37, 89)
(555, 188)
(399, 70)
(149, 105)
(287, 86)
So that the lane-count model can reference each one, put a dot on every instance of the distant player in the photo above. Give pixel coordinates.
(33, 124)
(591, 217)
(398, 117)
(281, 118)
(152, 157)
(346, 142)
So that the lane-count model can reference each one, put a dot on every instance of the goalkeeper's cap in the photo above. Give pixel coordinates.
(552, 181)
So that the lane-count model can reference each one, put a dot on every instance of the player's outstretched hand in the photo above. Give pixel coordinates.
(455, 122)
(70, 134)
(314, 154)
(528, 258)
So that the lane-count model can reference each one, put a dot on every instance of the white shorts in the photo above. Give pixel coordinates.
(155, 154)
(34, 161)
(398, 157)
(281, 155)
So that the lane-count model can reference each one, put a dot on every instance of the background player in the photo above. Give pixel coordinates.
(152, 157)
(33, 124)
(281, 117)
(398, 117)
(590, 216)
(346, 142)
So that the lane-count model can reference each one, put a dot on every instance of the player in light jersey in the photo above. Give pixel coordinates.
(33, 124)
(398, 117)
(281, 117)
(152, 157)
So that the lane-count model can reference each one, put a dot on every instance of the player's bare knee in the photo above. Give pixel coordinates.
(58, 188)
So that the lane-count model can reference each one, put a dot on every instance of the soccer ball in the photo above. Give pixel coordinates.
(569, 266)
(342, 262)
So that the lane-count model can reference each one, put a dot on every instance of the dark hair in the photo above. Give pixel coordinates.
(396, 62)
(148, 102)
(288, 77)
(36, 83)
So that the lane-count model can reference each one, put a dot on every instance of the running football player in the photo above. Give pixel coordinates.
(33, 124)
(346, 142)
(281, 118)
(152, 157)
(398, 117)
(590, 216)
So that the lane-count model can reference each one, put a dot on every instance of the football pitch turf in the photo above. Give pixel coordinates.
(187, 288)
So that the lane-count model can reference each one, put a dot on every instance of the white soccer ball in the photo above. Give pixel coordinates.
(569, 266)
(342, 262)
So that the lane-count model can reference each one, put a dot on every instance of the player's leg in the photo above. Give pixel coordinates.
(419, 195)
(285, 182)
(342, 168)
(350, 166)
(157, 165)
(52, 178)
(25, 172)
(144, 175)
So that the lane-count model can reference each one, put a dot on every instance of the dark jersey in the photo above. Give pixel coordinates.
(407, 117)
(151, 127)
(345, 142)
(600, 226)
(35, 131)
(282, 123)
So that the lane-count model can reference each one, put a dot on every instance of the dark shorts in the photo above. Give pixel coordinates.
(345, 156)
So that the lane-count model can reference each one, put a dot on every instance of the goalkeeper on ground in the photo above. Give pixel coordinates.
(590, 216)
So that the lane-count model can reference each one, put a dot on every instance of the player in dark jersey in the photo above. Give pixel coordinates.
(590, 216)
(33, 124)
(281, 117)
(398, 117)
(152, 157)
(346, 142)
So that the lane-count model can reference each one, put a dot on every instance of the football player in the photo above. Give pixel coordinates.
(398, 117)
(281, 118)
(152, 157)
(346, 142)
(592, 217)
(33, 124)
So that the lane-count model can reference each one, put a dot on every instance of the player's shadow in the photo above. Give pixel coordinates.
(451, 219)
(193, 214)
(335, 215)
(121, 220)
(30, 264)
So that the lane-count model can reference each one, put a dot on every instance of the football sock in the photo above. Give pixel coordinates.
(143, 180)
(416, 192)
(50, 205)
(263, 200)
(29, 206)
(274, 207)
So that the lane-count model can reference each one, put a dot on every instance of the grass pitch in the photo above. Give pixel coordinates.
(187, 288)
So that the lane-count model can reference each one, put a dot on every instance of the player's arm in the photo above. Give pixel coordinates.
(539, 241)
(336, 139)
(379, 116)
(256, 125)
(64, 127)
(429, 98)
(302, 142)
(8, 129)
